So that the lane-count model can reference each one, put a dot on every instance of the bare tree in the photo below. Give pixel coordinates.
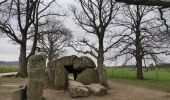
(3, 1)
(54, 36)
(18, 18)
(141, 38)
(95, 17)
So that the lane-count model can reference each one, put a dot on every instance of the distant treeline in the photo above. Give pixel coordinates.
(8, 63)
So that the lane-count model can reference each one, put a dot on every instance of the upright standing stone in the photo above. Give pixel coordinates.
(61, 74)
(61, 77)
(36, 71)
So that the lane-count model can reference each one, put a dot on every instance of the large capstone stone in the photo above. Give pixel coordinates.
(83, 62)
(88, 76)
(66, 60)
(97, 89)
(77, 89)
(36, 73)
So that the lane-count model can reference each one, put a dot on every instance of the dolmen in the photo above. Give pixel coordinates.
(85, 80)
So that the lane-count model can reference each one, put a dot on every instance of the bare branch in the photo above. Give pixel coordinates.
(3, 2)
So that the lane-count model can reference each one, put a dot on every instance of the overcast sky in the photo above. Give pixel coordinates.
(10, 52)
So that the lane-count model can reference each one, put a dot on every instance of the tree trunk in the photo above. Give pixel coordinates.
(50, 70)
(22, 62)
(101, 68)
(139, 74)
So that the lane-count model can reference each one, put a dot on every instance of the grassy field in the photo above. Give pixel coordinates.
(6, 69)
(157, 79)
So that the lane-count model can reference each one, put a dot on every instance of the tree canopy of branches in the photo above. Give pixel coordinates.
(164, 17)
(54, 36)
(18, 19)
(142, 39)
(95, 17)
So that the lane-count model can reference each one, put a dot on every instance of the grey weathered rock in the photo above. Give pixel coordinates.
(61, 75)
(77, 89)
(61, 78)
(20, 93)
(97, 89)
(36, 71)
(83, 62)
(71, 64)
(88, 76)
(66, 60)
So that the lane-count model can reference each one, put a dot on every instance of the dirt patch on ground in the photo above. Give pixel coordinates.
(117, 92)
(7, 89)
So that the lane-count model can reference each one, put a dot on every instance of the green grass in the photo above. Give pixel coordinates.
(158, 79)
(6, 69)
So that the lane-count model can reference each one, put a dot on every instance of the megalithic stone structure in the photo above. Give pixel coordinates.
(61, 77)
(36, 72)
(163, 3)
